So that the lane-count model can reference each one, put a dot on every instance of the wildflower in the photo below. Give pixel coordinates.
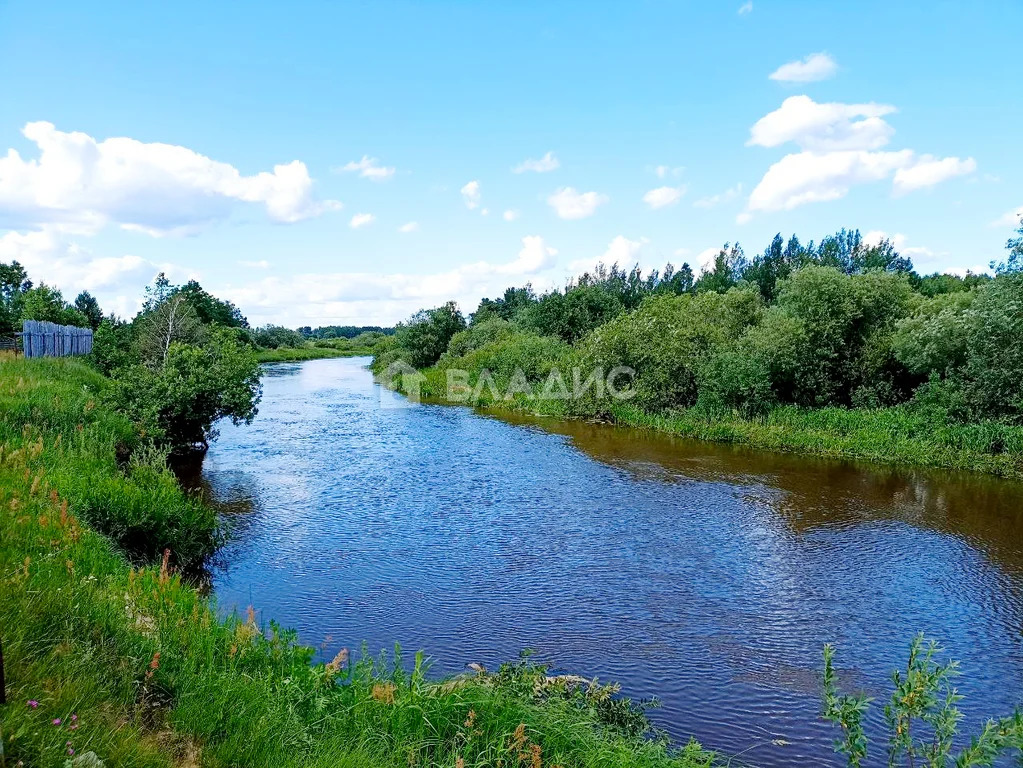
(56, 721)
(153, 665)
(32, 703)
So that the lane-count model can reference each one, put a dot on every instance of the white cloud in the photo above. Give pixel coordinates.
(930, 170)
(823, 127)
(471, 195)
(49, 256)
(261, 264)
(1009, 218)
(746, 8)
(839, 144)
(361, 220)
(899, 241)
(723, 197)
(663, 196)
(663, 171)
(816, 66)
(369, 168)
(412, 226)
(569, 203)
(510, 215)
(810, 177)
(161, 189)
(341, 297)
(545, 164)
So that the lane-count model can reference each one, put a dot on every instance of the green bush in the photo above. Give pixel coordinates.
(669, 339)
(180, 402)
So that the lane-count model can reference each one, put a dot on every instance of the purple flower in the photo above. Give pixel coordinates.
(32, 703)
(56, 721)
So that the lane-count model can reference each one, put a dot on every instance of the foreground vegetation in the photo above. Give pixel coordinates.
(836, 349)
(108, 656)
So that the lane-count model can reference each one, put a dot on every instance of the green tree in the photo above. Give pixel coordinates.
(14, 283)
(46, 304)
(86, 303)
(728, 269)
(180, 401)
(211, 310)
(423, 339)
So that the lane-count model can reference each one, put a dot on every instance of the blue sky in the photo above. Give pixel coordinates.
(211, 140)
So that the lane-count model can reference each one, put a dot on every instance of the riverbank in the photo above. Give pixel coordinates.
(125, 660)
(294, 354)
(904, 435)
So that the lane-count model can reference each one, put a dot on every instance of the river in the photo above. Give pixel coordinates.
(707, 576)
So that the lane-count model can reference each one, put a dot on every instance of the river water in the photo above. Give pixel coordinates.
(707, 576)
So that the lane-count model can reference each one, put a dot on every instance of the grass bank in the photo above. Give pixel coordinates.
(292, 354)
(906, 435)
(111, 657)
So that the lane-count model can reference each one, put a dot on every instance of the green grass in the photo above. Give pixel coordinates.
(291, 354)
(139, 670)
(902, 435)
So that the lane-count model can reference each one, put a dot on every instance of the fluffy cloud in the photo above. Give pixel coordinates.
(49, 255)
(929, 170)
(1009, 218)
(569, 203)
(723, 197)
(823, 127)
(816, 66)
(546, 163)
(369, 168)
(412, 226)
(510, 215)
(361, 220)
(812, 177)
(663, 196)
(84, 184)
(316, 298)
(840, 149)
(471, 195)
(746, 8)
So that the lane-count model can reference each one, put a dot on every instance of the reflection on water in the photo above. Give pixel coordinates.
(705, 575)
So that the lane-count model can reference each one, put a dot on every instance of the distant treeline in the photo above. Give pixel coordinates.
(341, 331)
(843, 323)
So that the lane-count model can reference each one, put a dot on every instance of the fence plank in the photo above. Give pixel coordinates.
(39, 339)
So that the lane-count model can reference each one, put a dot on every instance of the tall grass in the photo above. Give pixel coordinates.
(132, 665)
(291, 354)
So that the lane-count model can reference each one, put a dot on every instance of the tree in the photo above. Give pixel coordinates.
(1015, 247)
(88, 306)
(209, 309)
(729, 266)
(14, 283)
(160, 325)
(46, 304)
(423, 339)
(179, 402)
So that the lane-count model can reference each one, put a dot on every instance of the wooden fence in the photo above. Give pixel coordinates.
(40, 339)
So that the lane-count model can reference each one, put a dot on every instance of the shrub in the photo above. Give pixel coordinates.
(922, 716)
(180, 402)
(424, 338)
